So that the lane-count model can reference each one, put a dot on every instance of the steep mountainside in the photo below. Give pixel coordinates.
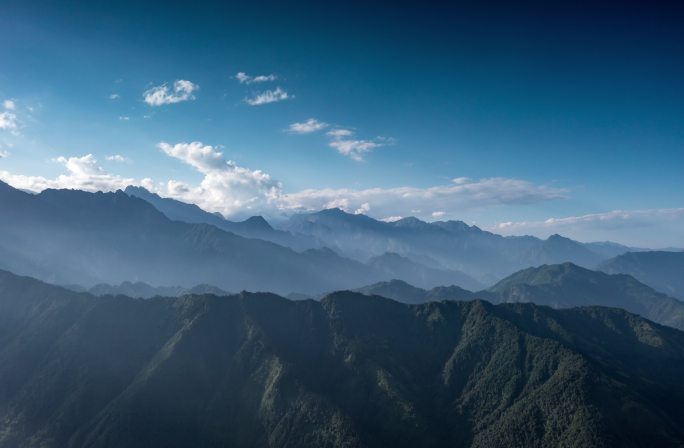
(567, 285)
(660, 270)
(256, 370)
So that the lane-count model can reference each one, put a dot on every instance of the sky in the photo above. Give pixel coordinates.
(520, 118)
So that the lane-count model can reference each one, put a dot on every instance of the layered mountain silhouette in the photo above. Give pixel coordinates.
(254, 227)
(258, 370)
(559, 286)
(450, 245)
(661, 270)
(74, 237)
(404, 292)
(142, 290)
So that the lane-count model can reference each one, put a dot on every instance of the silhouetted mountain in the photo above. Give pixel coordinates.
(450, 245)
(403, 292)
(142, 290)
(257, 370)
(608, 249)
(397, 266)
(567, 285)
(254, 227)
(74, 237)
(660, 270)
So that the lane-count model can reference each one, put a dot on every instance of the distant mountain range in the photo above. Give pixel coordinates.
(254, 227)
(141, 290)
(558, 286)
(75, 237)
(661, 270)
(451, 245)
(257, 370)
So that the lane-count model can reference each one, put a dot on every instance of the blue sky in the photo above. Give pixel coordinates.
(526, 119)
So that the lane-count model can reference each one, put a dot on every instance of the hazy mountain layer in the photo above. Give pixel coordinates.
(254, 227)
(74, 237)
(353, 371)
(661, 270)
(451, 245)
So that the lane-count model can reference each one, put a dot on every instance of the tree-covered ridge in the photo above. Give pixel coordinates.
(350, 370)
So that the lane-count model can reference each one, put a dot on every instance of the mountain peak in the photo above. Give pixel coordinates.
(257, 222)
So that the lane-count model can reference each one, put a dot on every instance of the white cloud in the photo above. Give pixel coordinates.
(160, 95)
(438, 214)
(124, 118)
(268, 96)
(363, 209)
(8, 122)
(307, 127)
(244, 78)
(638, 227)
(452, 198)
(114, 96)
(234, 190)
(391, 218)
(116, 158)
(83, 173)
(9, 104)
(339, 133)
(3, 154)
(226, 187)
(354, 148)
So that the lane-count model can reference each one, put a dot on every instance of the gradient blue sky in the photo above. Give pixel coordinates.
(565, 118)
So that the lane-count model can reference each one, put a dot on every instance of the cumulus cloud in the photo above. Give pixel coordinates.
(307, 127)
(244, 78)
(268, 96)
(83, 173)
(659, 226)
(438, 214)
(236, 191)
(9, 104)
(182, 91)
(116, 158)
(226, 187)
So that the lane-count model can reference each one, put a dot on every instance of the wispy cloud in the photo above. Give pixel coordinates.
(234, 190)
(352, 147)
(8, 119)
(244, 78)
(124, 118)
(182, 91)
(659, 224)
(307, 127)
(114, 96)
(116, 158)
(268, 96)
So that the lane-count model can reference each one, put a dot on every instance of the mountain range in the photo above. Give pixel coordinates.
(75, 237)
(662, 270)
(351, 370)
(558, 286)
